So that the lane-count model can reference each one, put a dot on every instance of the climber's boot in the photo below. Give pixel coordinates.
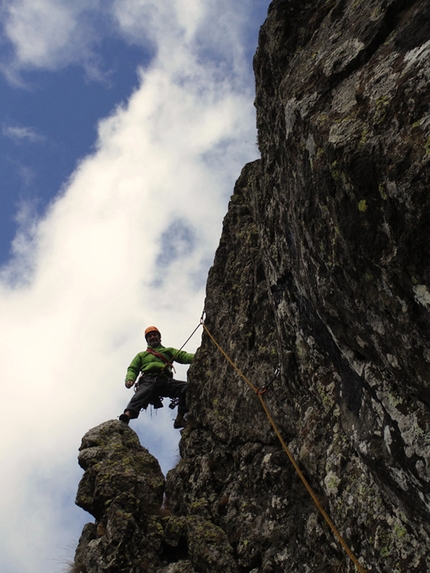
(180, 422)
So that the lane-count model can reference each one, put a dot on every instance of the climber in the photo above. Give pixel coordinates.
(151, 372)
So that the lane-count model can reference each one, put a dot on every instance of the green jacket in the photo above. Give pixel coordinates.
(148, 363)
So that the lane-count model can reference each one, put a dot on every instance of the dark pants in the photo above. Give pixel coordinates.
(152, 386)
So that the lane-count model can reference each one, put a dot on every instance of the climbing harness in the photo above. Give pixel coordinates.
(155, 400)
(173, 403)
(167, 362)
(260, 391)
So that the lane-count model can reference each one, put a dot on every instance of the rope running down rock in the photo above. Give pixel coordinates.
(335, 531)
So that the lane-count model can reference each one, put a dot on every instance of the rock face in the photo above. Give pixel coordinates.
(323, 268)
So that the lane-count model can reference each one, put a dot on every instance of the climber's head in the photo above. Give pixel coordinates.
(152, 335)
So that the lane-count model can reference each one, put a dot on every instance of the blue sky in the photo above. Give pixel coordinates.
(124, 125)
(50, 122)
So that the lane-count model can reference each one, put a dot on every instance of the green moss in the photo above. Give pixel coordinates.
(383, 541)
(322, 118)
(394, 400)
(362, 205)
(427, 146)
(399, 531)
(380, 110)
(85, 500)
(364, 135)
(332, 482)
(235, 198)
(376, 13)
(199, 506)
(382, 192)
(334, 171)
(326, 395)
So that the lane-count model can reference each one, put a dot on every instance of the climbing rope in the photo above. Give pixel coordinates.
(260, 391)
(170, 362)
(229, 359)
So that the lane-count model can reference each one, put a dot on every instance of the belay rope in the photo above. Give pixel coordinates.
(260, 391)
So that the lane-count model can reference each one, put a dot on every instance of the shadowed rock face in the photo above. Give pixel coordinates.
(323, 267)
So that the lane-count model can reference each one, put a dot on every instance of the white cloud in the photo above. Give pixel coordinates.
(52, 34)
(20, 134)
(88, 277)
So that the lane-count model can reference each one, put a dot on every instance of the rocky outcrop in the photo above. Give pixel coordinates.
(123, 488)
(323, 268)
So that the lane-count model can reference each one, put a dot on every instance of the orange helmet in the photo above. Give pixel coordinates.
(151, 329)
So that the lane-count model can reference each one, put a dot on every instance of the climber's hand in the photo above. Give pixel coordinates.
(129, 383)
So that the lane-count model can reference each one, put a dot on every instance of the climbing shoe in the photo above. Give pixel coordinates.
(124, 418)
(180, 422)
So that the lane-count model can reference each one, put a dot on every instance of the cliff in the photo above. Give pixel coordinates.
(323, 268)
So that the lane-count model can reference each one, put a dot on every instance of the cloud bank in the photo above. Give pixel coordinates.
(126, 243)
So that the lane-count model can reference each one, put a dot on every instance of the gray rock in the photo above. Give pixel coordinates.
(324, 267)
(123, 488)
